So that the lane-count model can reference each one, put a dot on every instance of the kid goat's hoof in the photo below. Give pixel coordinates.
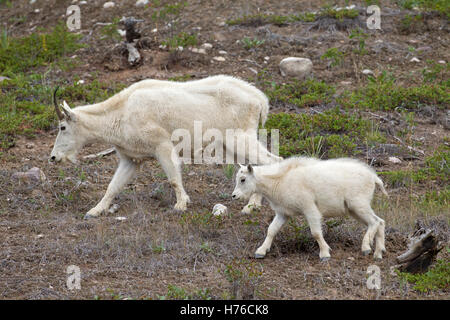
(366, 252)
(259, 256)
(325, 259)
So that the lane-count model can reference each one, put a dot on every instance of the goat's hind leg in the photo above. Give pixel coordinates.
(124, 173)
(170, 163)
(375, 228)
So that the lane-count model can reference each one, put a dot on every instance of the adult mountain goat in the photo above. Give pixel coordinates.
(316, 189)
(139, 122)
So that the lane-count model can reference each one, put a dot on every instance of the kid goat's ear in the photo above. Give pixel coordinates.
(250, 168)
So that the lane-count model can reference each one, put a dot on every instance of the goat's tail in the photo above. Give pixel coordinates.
(381, 185)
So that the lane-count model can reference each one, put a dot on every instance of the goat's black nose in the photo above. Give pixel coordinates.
(52, 158)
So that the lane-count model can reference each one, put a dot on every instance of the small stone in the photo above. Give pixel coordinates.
(351, 258)
(120, 218)
(80, 82)
(33, 175)
(4, 78)
(206, 46)
(219, 209)
(109, 4)
(346, 83)
(414, 60)
(295, 67)
(394, 160)
(155, 30)
(39, 236)
(267, 58)
(368, 72)
(114, 208)
(196, 50)
(222, 52)
(440, 61)
(29, 145)
(220, 59)
(141, 3)
(37, 10)
(83, 2)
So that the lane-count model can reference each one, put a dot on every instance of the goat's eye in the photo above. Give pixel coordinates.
(63, 128)
(242, 180)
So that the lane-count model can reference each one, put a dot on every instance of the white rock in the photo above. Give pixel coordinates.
(196, 50)
(367, 72)
(80, 82)
(394, 160)
(39, 236)
(296, 67)
(220, 59)
(141, 3)
(83, 2)
(219, 209)
(223, 52)
(37, 10)
(123, 33)
(267, 58)
(206, 46)
(109, 4)
(120, 218)
(441, 62)
(414, 60)
(114, 208)
(32, 1)
(155, 30)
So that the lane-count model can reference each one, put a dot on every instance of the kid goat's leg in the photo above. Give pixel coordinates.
(314, 218)
(170, 163)
(274, 227)
(124, 173)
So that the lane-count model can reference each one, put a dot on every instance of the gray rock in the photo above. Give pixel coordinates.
(35, 175)
(296, 67)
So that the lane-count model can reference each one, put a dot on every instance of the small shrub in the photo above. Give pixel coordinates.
(251, 43)
(438, 277)
(333, 55)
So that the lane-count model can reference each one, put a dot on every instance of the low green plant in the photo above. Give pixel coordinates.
(110, 32)
(228, 170)
(38, 49)
(438, 277)
(334, 55)
(301, 94)
(360, 36)
(183, 39)
(248, 43)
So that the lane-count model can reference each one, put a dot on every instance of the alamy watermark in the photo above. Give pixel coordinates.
(74, 277)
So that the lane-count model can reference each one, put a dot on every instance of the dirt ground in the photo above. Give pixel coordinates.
(154, 248)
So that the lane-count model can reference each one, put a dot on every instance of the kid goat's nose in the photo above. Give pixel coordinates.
(52, 158)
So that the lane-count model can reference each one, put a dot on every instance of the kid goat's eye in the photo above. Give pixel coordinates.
(63, 128)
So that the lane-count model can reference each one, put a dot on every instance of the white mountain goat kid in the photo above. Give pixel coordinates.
(139, 122)
(317, 189)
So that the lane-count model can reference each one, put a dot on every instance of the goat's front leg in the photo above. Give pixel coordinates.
(170, 163)
(274, 227)
(124, 173)
(254, 202)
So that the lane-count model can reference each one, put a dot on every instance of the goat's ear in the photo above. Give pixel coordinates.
(250, 168)
(70, 116)
(241, 166)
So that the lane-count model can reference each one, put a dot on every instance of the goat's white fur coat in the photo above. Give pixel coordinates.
(316, 189)
(139, 122)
